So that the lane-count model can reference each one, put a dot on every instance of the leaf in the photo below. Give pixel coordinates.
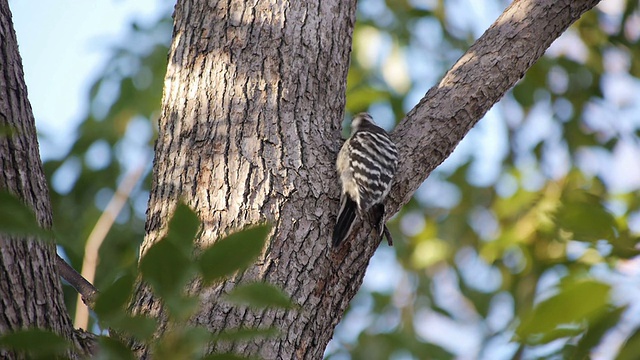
(183, 227)
(625, 245)
(182, 307)
(575, 303)
(260, 295)
(596, 331)
(180, 342)
(585, 216)
(140, 327)
(631, 347)
(166, 268)
(111, 301)
(562, 331)
(16, 218)
(111, 348)
(233, 253)
(48, 343)
(7, 131)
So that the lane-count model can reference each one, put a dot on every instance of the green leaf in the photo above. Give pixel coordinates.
(596, 331)
(140, 327)
(182, 343)
(233, 253)
(16, 218)
(631, 347)
(166, 268)
(562, 331)
(48, 343)
(182, 307)
(575, 303)
(111, 348)
(112, 300)
(7, 131)
(260, 295)
(625, 245)
(585, 216)
(183, 227)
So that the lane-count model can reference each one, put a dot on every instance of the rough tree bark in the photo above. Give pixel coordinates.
(30, 289)
(253, 102)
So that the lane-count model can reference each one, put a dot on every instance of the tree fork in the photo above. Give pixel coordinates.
(250, 127)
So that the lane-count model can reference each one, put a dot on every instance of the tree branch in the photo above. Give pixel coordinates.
(243, 138)
(82, 286)
(498, 59)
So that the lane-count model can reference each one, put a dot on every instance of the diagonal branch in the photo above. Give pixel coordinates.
(86, 290)
(242, 140)
(498, 59)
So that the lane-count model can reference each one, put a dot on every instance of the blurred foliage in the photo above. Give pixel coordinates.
(49, 346)
(182, 340)
(114, 139)
(523, 244)
(16, 218)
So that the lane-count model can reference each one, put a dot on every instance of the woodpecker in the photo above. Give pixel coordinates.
(366, 165)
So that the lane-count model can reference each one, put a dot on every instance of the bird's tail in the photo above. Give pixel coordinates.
(345, 220)
(377, 213)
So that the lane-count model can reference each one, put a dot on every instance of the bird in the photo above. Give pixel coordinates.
(366, 166)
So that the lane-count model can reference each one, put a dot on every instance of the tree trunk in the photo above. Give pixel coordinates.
(253, 102)
(250, 130)
(30, 289)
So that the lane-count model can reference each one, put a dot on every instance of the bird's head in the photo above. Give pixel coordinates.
(360, 121)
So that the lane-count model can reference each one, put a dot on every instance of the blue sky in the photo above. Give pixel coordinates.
(62, 44)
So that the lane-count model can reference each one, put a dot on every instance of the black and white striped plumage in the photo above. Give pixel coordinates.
(366, 165)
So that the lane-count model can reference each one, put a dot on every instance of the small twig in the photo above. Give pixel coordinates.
(86, 290)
